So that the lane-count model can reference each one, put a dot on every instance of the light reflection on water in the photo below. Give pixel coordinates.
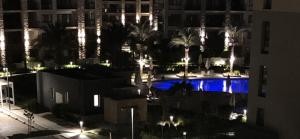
(236, 85)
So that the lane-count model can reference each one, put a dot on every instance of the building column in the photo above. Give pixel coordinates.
(11, 85)
(81, 29)
(227, 25)
(151, 13)
(202, 30)
(98, 14)
(123, 12)
(138, 11)
(26, 31)
(1, 96)
(2, 38)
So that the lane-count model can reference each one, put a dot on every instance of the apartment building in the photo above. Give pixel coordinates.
(21, 20)
(274, 90)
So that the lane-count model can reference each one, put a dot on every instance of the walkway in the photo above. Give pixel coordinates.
(14, 122)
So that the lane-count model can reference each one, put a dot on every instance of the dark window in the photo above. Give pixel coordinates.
(265, 37)
(216, 5)
(32, 4)
(193, 5)
(263, 77)
(11, 4)
(174, 2)
(47, 18)
(260, 117)
(46, 4)
(215, 20)
(267, 4)
(12, 21)
(15, 47)
(174, 20)
(64, 19)
(238, 5)
(144, 8)
(130, 8)
(192, 21)
(89, 4)
(66, 4)
(33, 22)
(89, 19)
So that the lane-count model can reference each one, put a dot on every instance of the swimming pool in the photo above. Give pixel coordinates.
(238, 85)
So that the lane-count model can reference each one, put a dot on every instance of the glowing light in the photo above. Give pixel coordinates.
(224, 89)
(171, 118)
(81, 41)
(232, 59)
(81, 126)
(139, 91)
(123, 19)
(137, 18)
(201, 85)
(151, 19)
(98, 40)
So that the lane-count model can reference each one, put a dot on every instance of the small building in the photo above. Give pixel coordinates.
(82, 90)
(117, 108)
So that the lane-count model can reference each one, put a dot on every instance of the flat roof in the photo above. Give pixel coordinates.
(86, 73)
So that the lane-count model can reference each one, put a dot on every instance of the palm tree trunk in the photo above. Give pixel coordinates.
(186, 60)
(141, 64)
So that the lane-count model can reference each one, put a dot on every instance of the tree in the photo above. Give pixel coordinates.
(142, 35)
(186, 38)
(233, 37)
(114, 35)
(55, 43)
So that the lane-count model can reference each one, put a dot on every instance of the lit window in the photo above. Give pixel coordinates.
(96, 100)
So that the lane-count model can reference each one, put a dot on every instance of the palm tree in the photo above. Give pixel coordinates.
(234, 38)
(142, 35)
(55, 43)
(186, 38)
(114, 35)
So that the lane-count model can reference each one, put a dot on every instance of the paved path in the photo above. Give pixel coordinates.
(10, 126)
(14, 122)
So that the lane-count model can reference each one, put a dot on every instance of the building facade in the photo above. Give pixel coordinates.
(83, 91)
(21, 20)
(274, 90)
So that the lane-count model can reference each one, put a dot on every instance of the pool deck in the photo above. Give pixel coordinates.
(197, 76)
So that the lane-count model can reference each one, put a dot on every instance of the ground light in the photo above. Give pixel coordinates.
(81, 126)
(184, 133)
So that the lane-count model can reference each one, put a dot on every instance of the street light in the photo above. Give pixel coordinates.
(171, 118)
(132, 112)
(81, 126)
(132, 118)
(184, 134)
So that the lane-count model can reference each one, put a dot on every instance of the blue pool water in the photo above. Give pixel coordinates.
(238, 85)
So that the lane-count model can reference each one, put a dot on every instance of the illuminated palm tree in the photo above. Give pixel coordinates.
(233, 38)
(142, 35)
(186, 38)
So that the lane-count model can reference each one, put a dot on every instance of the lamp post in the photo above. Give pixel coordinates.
(132, 131)
(132, 118)
(7, 89)
(184, 134)
(81, 126)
